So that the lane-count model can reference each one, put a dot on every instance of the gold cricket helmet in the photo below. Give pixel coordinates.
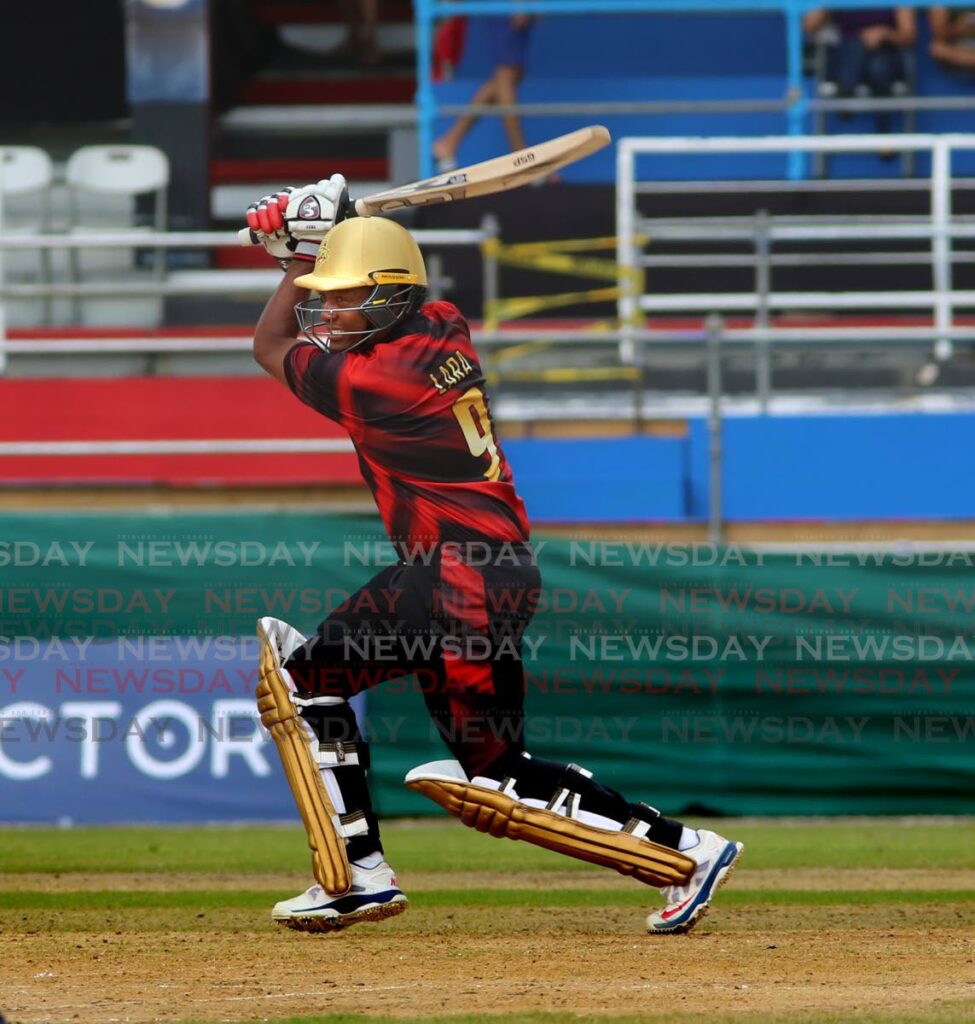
(365, 252)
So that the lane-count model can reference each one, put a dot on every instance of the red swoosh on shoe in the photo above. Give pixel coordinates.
(667, 914)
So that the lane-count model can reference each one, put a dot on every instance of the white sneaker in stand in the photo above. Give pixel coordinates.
(715, 857)
(374, 895)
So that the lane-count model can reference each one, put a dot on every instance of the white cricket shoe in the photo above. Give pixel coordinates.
(374, 896)
(715, 857)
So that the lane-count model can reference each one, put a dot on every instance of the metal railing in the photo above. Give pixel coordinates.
(168, 282)
(714, 339)
(937, 230)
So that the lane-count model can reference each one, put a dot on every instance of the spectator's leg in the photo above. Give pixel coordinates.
(882, 68)
(506, 78)
(845, 64)
(368, 49)
(445, 148)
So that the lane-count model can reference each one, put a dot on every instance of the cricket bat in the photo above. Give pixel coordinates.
(496, 175)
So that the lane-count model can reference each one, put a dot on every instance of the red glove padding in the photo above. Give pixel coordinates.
(267, 214)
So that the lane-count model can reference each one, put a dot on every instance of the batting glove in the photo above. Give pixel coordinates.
(291, 224)
(266, 222)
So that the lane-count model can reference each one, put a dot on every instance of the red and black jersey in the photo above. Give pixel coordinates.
(418, 414)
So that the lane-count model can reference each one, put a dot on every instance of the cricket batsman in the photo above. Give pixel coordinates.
(350, 333)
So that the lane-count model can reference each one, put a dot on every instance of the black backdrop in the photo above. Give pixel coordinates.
(63, 61)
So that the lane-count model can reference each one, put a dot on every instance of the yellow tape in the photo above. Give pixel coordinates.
(517, 351)
(531, 347)
(562, 263)
(558, 257)
(574, 244)
(525, 305)
(573, 375)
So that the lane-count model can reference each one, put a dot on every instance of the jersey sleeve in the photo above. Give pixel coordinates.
(313, 376)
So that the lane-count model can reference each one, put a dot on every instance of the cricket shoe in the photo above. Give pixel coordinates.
(716, 858)
(374, 896)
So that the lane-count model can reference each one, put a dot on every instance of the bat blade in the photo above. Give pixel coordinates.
(496, 175)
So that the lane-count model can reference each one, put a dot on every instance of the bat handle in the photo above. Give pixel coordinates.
(246, 237)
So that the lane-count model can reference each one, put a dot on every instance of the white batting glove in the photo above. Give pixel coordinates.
(291, 223)
(314, 209)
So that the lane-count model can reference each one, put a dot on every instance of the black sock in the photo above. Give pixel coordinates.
(541, 780)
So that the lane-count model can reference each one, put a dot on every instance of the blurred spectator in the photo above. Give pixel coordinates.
(953, 36)
(361, 21)
(508, 40)
(448, 47)
(869, 56)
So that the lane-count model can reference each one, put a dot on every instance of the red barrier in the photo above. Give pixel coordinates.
(165, 409)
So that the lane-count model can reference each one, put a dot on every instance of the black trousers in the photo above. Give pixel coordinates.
(456, 626)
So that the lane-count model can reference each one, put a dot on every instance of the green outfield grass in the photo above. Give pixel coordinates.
(446, 847)
(223, 899)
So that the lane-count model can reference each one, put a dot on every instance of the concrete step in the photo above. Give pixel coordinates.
(328, 89)
(324, 40)
(316, 119)
(293, 145)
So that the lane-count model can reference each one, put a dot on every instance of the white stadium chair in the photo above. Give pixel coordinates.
(26, 176)
(25, 169)
(104, 185)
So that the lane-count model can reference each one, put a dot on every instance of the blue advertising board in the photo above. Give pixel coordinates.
(135, 729)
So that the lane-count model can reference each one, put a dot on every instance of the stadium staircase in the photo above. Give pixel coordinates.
(310, 109)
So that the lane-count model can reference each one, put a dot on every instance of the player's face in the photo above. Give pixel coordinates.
(342, 314)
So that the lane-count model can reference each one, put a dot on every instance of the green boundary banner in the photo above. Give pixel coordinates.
(718, 680)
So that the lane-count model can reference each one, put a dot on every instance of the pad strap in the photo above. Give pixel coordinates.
(353, 824)
(337, 755)
(568, 797)
(640, 826)
(316, 702)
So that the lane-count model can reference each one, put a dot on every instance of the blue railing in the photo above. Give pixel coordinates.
(426, 12)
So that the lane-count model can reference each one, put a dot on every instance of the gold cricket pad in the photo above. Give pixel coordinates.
(329, 861)
(490, 811)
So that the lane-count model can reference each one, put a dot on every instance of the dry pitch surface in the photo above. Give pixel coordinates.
(823, 922)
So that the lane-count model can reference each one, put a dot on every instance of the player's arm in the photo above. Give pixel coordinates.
(277, 329)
